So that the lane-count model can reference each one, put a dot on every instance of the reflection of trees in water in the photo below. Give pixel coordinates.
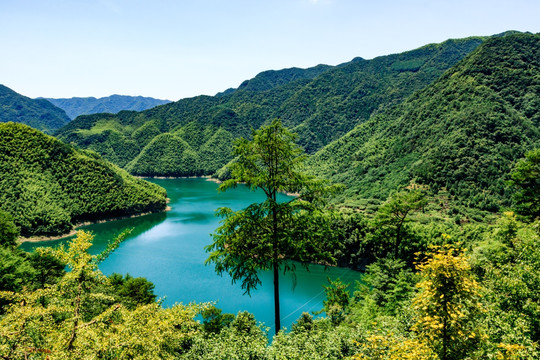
(106, 231)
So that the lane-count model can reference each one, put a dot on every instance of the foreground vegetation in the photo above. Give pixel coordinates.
(476, 298)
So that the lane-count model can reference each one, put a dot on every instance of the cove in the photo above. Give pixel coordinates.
(168, 249)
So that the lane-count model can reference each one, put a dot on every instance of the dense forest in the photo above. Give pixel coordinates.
(429, 291)
(37, 113)
(420, 169)
(48, 186)
(459, 136)
(111, 104)
(321, 104)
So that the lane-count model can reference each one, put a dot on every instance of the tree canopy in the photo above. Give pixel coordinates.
(267, 235)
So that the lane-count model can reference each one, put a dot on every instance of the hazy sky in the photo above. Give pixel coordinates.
(174, 49)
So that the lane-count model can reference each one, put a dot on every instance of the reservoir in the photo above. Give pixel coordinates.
(168, 249)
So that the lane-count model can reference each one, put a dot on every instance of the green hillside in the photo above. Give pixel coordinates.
(461, 135)
(48, 186)
(321, 104)
(110, 104)
(37, 113)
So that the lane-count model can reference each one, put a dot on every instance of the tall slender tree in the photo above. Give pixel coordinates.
(266, 235)
(526, 179)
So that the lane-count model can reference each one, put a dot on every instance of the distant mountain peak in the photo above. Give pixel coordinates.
(113, 104)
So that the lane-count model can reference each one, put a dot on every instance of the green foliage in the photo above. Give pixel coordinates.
(508, 263)
(337, 300)
(265, 235)
(8, 231)
(214, 321)
(145, 133)
(321, 104)
(132, 292)
(15, 269)
(241, 339)
(526, 178)
(176, 156)
(448, 305)
(459, 135)
(48, 186)
(37, 113)
(321, 340)
(47, 268)
(393, 216)
(389, 283)
(216, 152)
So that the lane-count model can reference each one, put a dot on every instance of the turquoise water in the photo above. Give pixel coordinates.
(168, 249)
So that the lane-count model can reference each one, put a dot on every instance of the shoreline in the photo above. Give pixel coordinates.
(175, 177)
(207, 177)
(43, 238)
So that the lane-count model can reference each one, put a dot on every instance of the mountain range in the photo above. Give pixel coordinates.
(452, 117)
(76, 106)
(462, 134)
(321, 104)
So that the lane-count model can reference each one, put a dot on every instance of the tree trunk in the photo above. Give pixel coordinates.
(276, 298)
(275, 265)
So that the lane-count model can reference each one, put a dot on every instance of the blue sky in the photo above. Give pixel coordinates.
(174, 49)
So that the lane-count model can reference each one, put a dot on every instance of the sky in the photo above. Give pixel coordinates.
(171, 49)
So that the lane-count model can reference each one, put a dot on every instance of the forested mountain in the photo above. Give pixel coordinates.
(321, 104)
(462, 134)
(37, 113)
(76, 106)
(48, 186)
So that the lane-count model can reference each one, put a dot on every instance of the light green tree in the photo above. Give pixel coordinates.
(65, 320)
(267, 235)
(448, 305)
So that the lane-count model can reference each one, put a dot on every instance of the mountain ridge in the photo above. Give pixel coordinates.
(461, 134)
(37, 113)
(113, 104)
(321, 104)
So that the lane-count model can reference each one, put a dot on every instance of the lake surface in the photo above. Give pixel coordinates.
(168, 249)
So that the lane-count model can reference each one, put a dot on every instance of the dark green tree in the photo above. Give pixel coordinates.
(526, 178)
(8, 231)
(266, 235)
(131, 291)
(48, 269)
(337, 300)
(395, 212)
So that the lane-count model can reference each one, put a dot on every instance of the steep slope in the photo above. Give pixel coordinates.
(320, 103)
(47, 186)
(111, 104)
(461, 134)
(37, 113)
